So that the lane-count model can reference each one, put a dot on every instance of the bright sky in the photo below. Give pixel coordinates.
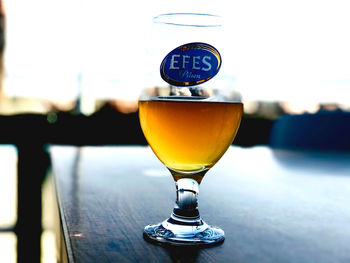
(274, 49)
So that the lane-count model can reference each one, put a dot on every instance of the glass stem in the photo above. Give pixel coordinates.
(186, 205)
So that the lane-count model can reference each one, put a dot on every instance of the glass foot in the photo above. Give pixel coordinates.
(172, 233)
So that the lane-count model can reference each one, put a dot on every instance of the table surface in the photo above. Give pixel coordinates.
(274, 205)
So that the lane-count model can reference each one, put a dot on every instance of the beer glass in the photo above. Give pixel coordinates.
(187, 120)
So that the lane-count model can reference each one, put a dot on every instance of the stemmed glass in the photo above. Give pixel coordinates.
(187, 121)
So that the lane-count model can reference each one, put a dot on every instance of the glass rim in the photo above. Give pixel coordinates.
(188, 19)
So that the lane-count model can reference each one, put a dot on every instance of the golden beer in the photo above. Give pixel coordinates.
(189, 135)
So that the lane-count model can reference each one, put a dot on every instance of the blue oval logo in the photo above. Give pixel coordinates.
(190, 64)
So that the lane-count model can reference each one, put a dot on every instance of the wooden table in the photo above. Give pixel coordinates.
(274, 205)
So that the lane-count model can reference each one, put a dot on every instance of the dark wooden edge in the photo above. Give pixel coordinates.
(62, 216)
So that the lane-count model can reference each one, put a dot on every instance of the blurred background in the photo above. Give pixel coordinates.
(71, 73)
